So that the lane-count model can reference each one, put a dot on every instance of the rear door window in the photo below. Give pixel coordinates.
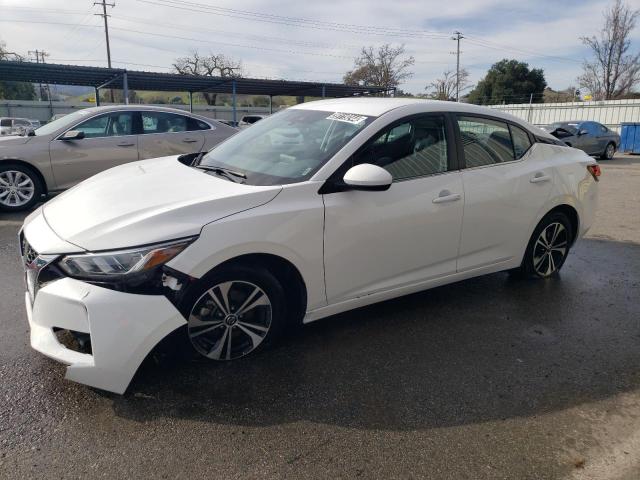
(485, 141)
(521, 141)
(163, 122)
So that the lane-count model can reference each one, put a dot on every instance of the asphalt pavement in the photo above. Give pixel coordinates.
(494, 377)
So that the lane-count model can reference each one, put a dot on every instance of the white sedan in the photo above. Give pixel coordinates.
(367, 200)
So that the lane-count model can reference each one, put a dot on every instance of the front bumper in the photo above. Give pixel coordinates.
(123, 327)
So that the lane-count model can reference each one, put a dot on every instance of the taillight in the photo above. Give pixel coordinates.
(595, 172)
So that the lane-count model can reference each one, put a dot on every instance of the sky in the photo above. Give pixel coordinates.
(312, 40)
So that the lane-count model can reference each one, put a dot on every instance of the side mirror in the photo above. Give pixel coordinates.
(582, 132)
(368, 177)
(73, 135)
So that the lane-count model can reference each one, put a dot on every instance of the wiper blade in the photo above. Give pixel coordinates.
(235, 173)
(225, 172)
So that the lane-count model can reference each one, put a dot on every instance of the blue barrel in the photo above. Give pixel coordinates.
(630, 138)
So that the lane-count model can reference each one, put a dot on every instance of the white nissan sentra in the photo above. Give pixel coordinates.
(324, 207)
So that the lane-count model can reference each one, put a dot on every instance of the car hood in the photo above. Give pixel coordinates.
(146, 202)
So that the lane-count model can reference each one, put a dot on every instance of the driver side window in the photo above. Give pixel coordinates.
(410, 149)
(107, 125)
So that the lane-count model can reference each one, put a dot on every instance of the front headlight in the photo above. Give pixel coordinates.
(108, 266)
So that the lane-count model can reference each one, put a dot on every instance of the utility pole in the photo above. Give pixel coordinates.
(105, 16)
(457, 37)
(39, 54)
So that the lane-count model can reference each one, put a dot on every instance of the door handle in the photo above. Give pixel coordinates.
(446, 196)
(189, 140)
(540, 177)
(124, 144)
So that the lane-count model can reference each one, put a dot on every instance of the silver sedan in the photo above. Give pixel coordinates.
(66, 151)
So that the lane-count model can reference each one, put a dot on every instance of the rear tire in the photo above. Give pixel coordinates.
(234, 312)
(609, 151)
(20, 187)
(548, 247)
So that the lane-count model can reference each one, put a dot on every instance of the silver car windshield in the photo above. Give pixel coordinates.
(63, 122)
(287, 147)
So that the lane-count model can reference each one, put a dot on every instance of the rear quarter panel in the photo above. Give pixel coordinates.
(572, 184)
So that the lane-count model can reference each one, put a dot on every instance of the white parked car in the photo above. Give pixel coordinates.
(376, 198)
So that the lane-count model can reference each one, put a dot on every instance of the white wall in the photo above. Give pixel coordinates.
(610, 112)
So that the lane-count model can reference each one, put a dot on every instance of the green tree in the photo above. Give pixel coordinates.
(509, 81)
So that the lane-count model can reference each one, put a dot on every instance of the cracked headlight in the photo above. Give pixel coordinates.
(121, 264)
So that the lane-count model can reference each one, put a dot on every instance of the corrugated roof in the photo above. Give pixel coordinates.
(170, 82)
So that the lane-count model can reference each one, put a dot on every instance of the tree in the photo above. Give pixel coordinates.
(614, 71)
(385, 67)
(211, 65)
(14, 90)
(509, 81)
(444, 88)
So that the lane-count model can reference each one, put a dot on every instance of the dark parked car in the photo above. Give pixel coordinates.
(591, 137)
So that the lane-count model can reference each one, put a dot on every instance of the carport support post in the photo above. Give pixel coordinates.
(191, 102)
(125, 88)
(324, 91)
(97, 93)
(270, 104)
(233, 86)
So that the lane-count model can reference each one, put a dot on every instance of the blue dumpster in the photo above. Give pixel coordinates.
(630, 138)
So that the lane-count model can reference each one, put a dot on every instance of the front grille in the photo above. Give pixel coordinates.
(28, 253)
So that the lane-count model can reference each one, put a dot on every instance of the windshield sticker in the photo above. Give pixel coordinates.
(347, 117)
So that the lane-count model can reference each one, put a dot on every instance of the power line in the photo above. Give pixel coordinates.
(293, 21)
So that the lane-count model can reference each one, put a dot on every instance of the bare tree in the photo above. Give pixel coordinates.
(444, 88)
(208, 65)
(614, 71)
(385, 67)
(7, 55)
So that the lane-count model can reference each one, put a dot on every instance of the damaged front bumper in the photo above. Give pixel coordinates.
(123, 328)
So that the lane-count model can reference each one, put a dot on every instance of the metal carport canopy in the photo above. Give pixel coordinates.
(99, 77)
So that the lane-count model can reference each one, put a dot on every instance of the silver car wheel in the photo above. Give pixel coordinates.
(16, 188)
(229, 320)
(550, 249)
(609, 151)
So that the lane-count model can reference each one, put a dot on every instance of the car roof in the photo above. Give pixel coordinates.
(141, 106)
(376, 106)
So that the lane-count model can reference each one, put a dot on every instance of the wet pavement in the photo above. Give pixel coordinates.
(493, 377)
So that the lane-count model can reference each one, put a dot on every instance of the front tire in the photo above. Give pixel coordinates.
(20, 187)
(548, 247)
(235, 312)
(609, 151)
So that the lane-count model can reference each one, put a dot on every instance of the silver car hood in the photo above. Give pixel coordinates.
(146, 202)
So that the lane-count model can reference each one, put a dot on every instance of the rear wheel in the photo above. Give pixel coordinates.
(235, 312)
(548, 247)
(20, 188)
(609, 151)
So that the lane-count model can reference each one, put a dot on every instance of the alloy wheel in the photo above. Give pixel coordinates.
(230, 320)
(609, 151)
(16, 188)
(550, 249)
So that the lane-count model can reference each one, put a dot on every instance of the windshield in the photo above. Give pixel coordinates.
(287, 147)
(63, 122)
(569, 127)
